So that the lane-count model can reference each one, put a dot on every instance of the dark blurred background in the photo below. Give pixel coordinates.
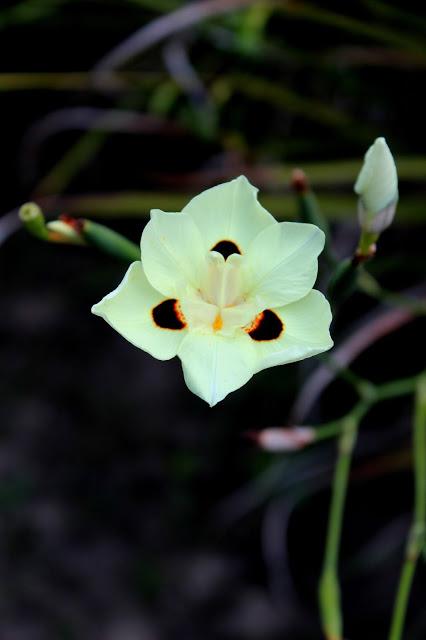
(129, 509)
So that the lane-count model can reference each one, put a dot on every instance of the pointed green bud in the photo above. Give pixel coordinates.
(377, 187)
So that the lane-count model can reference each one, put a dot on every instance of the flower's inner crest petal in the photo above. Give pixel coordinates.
(226, 248)
(168, 315)
(222, 284)
(266, 326)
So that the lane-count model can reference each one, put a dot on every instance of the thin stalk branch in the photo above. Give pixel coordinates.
(416, 537)
(163, 27)
(377, 325)
(329, 589)
(369, 285)
(396, 388)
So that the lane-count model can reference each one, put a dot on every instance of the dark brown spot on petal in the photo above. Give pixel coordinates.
(226, 248)
(266, 326)
(168, 315)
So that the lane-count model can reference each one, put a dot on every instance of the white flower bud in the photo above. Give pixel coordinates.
(377, 187)
(289, 439)
(63, 232)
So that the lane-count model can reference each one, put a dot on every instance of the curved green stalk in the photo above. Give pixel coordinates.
(369, 285)
(417, 534)
(109, 241)
(329, 589)
(68, 230)
(33, 219)
(376, 31)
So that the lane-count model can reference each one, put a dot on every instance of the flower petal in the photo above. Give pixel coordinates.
(306, 332)
(236, 318)
(199, 313)
(229, 212)
(214, 365)
(128, 309)
(281, 263)
(173, 255)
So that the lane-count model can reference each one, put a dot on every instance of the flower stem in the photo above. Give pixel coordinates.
(369, 285)
(33, 220)
(68, 230)
(328, 430)
(309, 210)
(109, 241)
(366, 241)
(396, 388)
(417, 534)
(329, 590)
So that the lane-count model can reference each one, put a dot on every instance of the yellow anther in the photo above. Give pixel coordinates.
(218, 323)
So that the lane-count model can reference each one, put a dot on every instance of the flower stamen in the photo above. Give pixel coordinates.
(218, 323)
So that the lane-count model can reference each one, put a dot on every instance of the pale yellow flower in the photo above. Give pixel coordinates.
(226, 288)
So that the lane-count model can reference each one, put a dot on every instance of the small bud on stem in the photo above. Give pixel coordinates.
(78, 231)
(278, 439)
(299, 181)
(377, 187)
(67, 230)
(62, 231)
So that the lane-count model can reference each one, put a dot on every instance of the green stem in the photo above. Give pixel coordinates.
(33, 219)
(420, 455)
(110, 241)
(416, 538)
(77, 157)
(343, 281)
(343, 22)
(360, 385)
(329, 590)
(396, 388)
(68, 230)
(369, 285)
(345, 277)
(309, 210)
(328, 430)
(366, 242)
